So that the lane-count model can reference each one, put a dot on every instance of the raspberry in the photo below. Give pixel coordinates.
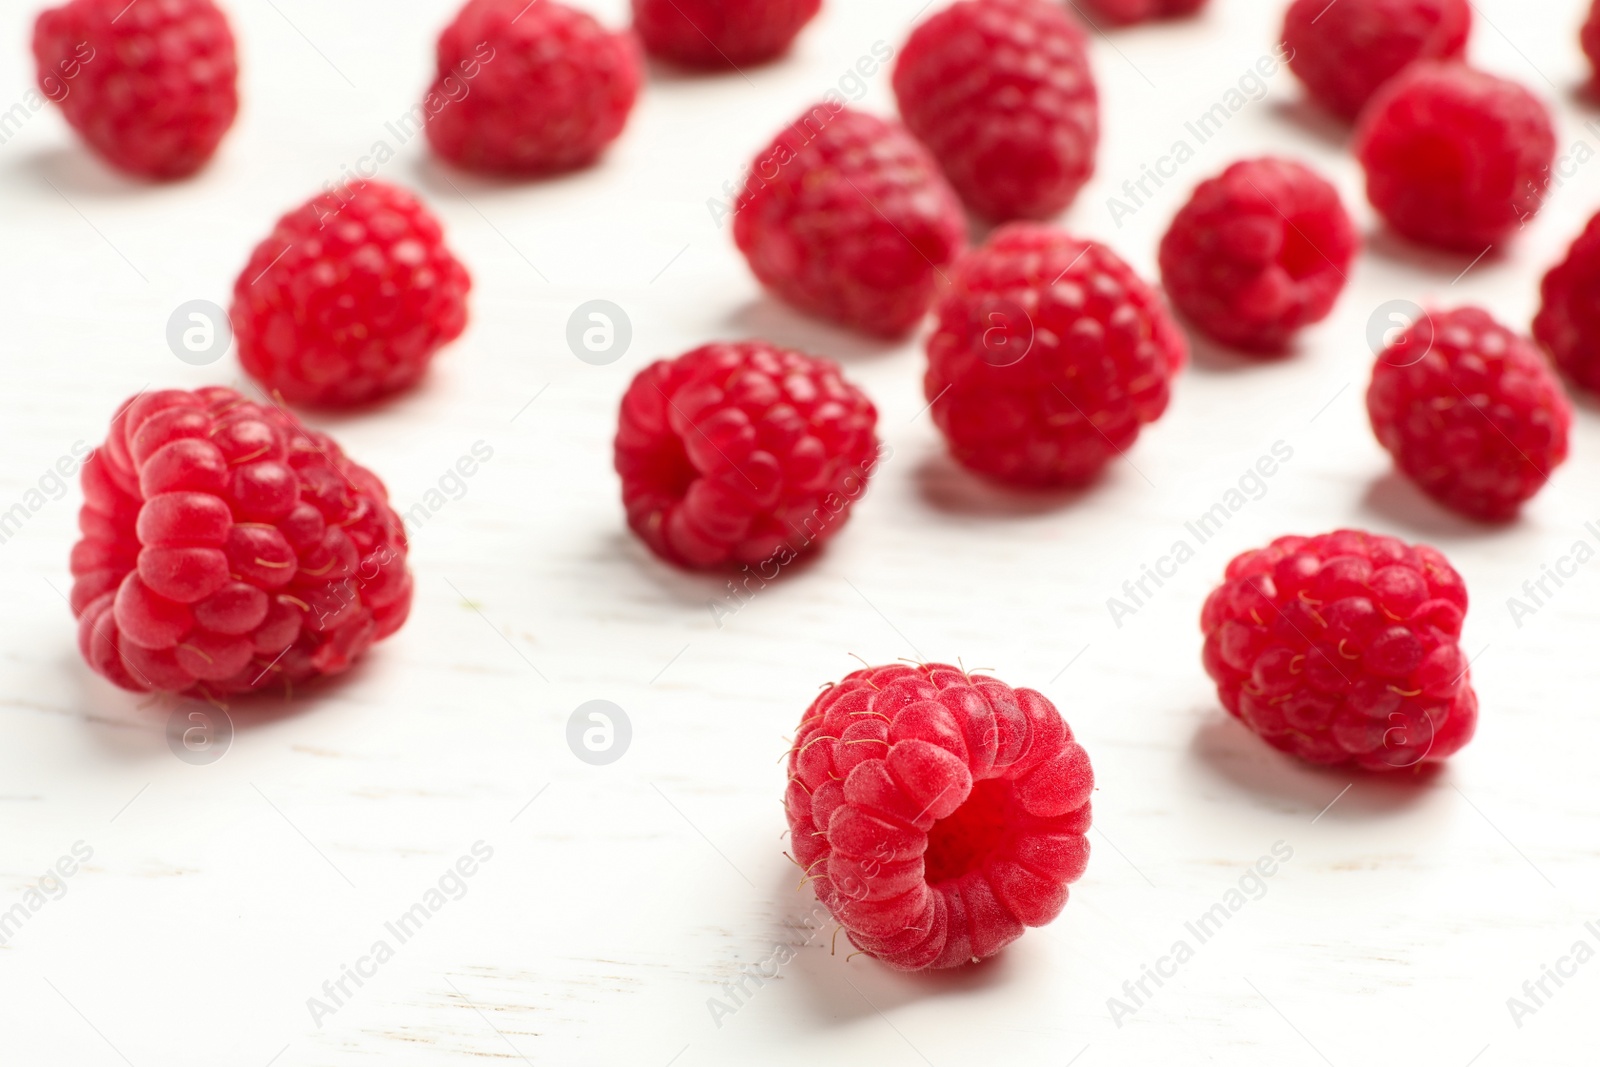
(937, 813)
(1344, 648)
(349, 298)
(1001, 92)
(1455, 157)
(720, 33)
(1589, 38)
(742, 453)
(846, 217)
(151, 87)
(1568, 323)
(1343, 52)
(1470, 412)
(1127, 12)
(1258, 253)
(1049, 356)
(529, 87)
(226, 549)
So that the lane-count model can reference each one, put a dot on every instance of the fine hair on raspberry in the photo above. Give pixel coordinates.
(529, 89)
(742, 454)
(1049, 357)
(1470, 411)
(1002, 94)
(1258, 253)
(1344, 649)
(349, 298)
(847, 218)
(937, 813)
(1343, 52)
(226, 549)
(1455, 157)
(152, 88)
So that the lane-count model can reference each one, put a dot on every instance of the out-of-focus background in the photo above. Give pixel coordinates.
(615, 911)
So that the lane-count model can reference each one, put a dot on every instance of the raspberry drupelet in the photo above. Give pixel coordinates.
(1001, 93)
(846, 217)
(1344, 649)
(1343, 52)
(937, 813)
(720, 33)
(152, 88)
(1471, 413)
(529, 89)
(227, 549)
(1049, 357)
(1568, 323)
(1258, 253)
(742, 453)
(1128, 12)
(1454, 157)
(349, 298)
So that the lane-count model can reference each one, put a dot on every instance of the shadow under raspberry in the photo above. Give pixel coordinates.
(948, 487)
(1227, 752)
(1305, 116)
(769, 319)
(834, 984)
(1393, 498)
(74, 171)
(1442, 264)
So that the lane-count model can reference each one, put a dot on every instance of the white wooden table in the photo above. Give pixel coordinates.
(611, 910)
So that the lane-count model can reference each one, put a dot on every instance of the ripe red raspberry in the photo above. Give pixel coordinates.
(226, 549)
(846, 217)
(742, 453)
(349, 298)
(1568, 323)
(1344, 648)
(1258, 253)
(1455, 157)
(529, 87)
(1001, 92)
(720, 33)
(152, 87)
(1589, 38)
(937, 813)
(1050, 355)
(1470, 412)
(1128, 12)
(1343, 52)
